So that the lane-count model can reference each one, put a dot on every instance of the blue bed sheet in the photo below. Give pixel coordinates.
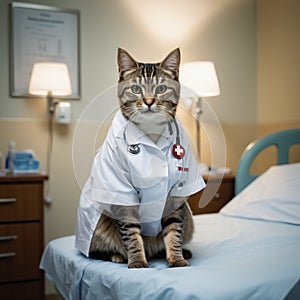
(232, 259)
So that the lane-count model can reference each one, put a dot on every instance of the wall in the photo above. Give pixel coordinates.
(278, 71)
(221, 31)
(278, 63)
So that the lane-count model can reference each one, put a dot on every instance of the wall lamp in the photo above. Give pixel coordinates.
(50, 79)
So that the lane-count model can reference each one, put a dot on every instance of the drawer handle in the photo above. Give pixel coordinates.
(8, 237)
(7, 200)
(9, 254)
(217, 196)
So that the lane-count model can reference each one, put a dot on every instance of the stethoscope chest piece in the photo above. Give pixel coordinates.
(178, 151)
(134, 149)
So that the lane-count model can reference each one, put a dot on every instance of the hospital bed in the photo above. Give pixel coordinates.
(249, 250)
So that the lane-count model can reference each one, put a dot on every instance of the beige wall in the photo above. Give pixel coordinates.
(278, 48)
(223, 31)
(278, 71)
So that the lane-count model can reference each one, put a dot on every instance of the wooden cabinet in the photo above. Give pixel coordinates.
(21, 237)
(218, 192)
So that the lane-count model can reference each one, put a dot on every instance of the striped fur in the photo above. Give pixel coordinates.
(145, 89)
(122, 242)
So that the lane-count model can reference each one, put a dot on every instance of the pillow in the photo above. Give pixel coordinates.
(273, 196)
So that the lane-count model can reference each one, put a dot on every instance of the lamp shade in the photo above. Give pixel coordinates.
(200, 77)
(48, 77)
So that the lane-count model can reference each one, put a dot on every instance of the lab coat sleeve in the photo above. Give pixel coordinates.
(107, 185)
(110, 178)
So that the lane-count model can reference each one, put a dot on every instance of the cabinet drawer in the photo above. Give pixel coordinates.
(20, 202)
(212, 203)
(20, 251)
(32, 290)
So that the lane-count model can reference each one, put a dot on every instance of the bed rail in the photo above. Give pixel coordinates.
(283, 140)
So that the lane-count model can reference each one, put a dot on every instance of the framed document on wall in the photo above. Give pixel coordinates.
(43, 34)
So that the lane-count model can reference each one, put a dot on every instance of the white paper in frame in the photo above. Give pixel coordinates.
(43, 34)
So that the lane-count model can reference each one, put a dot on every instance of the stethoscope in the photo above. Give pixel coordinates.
(178, 150)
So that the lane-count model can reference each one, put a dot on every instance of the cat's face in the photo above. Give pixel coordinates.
(148, 91)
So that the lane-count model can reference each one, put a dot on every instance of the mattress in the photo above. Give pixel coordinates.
(249, 250)
(233, 259)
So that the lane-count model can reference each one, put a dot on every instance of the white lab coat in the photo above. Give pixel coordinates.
(145, 179)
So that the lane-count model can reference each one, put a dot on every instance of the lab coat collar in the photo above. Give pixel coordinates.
(132, 135)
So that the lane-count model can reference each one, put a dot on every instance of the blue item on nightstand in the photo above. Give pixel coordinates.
(10, 156)
(25, 162)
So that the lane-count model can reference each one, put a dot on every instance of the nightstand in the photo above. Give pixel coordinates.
(224, 188)
(21, 236)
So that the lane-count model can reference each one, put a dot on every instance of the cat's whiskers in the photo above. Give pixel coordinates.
(129, 110)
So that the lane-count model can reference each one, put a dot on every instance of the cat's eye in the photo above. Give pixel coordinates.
(161, 89)
(136, 89)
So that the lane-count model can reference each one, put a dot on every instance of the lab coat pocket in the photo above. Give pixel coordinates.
(147, 170)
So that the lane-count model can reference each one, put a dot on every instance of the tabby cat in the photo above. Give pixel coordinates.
(148, 96)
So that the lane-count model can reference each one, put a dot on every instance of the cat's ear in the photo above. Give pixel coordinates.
(172, 62)
(126, 62)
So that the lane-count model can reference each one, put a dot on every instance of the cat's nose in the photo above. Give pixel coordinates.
(149, 101)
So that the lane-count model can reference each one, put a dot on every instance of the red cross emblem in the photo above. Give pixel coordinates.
(178, 151)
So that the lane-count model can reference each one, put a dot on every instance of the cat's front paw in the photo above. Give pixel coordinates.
(138, 265)
(178, 263)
